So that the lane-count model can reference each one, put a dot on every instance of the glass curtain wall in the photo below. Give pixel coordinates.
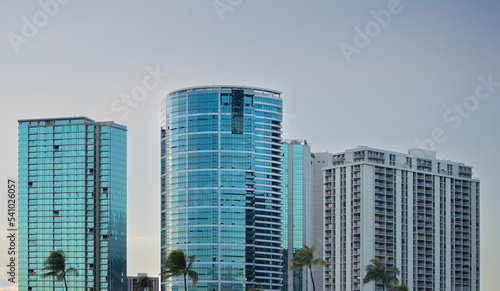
(221, 185)
(72, 197)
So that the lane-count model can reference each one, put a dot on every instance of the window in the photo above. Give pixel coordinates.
(392, 160)
(225, 99)
(408, 162)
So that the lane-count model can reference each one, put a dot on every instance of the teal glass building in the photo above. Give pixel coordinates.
(221, 187)
(73, 197)
(297, 173)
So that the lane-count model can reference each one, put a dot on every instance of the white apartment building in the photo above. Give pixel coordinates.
(420, 212)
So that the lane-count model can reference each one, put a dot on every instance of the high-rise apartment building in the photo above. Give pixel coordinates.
(73, 197)
(420, 212)
(297, 175)
(221, 187)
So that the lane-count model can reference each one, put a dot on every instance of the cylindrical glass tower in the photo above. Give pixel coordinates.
(221, 185)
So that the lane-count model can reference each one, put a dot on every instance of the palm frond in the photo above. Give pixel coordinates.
(55, 265)
(402, 287)
(305, 258)
(143, 283)
(319, 261)
(193, 276)
(177, 264)
(378, 271)
(49, 274)
(61, 277)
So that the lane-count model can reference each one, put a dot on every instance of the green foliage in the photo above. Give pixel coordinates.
(177, 264)
(55, 265)
(143, 283)
(378, 272)
(305, 258)
(402, 287)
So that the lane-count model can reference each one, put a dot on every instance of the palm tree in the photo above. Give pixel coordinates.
(402, 287)
(178, 263)
(55, 264)
(377, 271)
(143, 283)
(305, 258)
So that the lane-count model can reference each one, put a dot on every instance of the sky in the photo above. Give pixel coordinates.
(384, 73)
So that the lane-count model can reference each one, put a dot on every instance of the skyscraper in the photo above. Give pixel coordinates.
(297, 174)
(73, 197)
(420, 212)
(221, 185)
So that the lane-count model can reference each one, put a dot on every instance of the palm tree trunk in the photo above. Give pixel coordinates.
(65, 284)
(312, 279)
(185, 283)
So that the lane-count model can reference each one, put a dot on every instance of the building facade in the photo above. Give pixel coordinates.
(420, 212)
(133, 280)
(221, 185)
(303, 210)
(320, 160)
(297, 174)
(73, 197)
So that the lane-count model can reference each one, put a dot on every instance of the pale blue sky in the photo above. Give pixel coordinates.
(395, 91)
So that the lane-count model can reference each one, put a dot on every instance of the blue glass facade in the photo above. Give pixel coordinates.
(221, 185)
(73, 197)
(296, 194)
